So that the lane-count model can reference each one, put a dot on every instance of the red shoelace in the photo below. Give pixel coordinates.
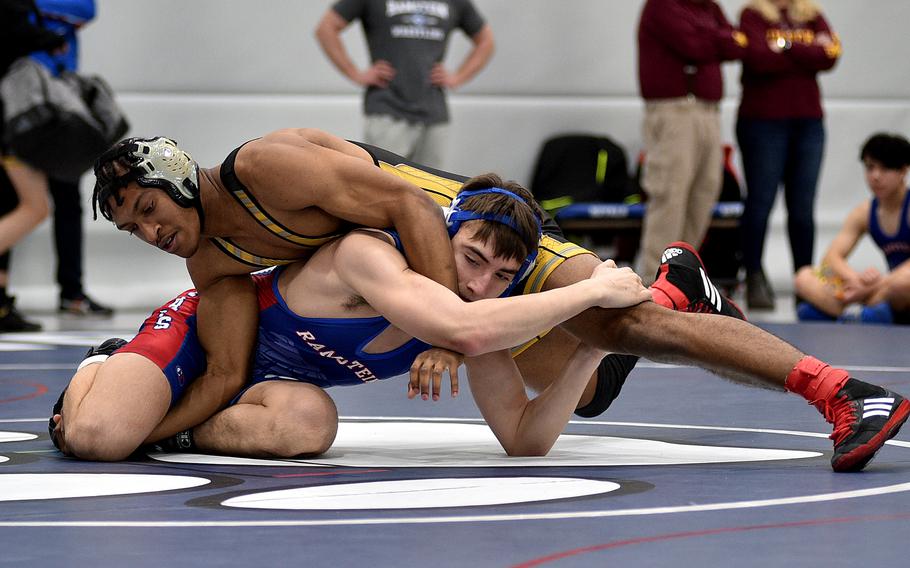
(841, 413)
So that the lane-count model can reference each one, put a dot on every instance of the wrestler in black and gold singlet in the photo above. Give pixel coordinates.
(248, 201)
(441, 186)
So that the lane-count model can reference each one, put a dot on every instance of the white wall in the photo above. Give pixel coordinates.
(213, 73)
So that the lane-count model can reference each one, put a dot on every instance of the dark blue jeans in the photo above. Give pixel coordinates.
(775, 152)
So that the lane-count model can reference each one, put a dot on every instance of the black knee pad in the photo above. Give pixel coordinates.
(611, 375)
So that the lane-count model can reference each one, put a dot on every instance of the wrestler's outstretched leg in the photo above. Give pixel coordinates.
(864, 416)
(681, 284)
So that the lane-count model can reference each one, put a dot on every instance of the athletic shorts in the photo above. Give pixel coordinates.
(168, 339)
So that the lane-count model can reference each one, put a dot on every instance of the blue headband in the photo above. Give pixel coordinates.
(456, 216)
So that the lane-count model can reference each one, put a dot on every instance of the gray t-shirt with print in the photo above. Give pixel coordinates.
(412, 36)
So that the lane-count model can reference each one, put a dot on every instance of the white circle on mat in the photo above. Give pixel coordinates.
(424, 493)
(392, 443)
(16, 436)
(25, 486)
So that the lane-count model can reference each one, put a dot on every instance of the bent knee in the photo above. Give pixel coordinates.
(97, 441)
(41, 210)
(898, 292)
(34, 213)
(306, 424)
(304, 438)
(805, 278)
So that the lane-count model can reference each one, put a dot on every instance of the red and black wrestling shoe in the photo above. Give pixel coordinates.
(864, 417)
(682, 278)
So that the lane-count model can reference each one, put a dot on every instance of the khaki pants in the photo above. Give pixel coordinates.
(682, 175)
(421, 143)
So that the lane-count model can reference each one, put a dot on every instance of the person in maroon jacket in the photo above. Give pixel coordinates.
(779, 128)
(681, 45)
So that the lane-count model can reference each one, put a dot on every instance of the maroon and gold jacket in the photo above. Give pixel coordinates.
(783, 85)
(681, 44)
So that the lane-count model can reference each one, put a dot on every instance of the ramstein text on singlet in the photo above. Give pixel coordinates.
(164, 320)
(364, 374)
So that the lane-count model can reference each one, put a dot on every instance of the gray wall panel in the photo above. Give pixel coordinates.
(213, 73)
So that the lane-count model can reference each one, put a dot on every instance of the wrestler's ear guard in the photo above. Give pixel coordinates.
(151, 162)
(51, 425)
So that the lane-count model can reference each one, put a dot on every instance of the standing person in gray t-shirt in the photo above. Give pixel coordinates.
(405, 101)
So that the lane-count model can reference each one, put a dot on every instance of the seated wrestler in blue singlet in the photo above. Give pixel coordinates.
(355, 313)
(835, 290)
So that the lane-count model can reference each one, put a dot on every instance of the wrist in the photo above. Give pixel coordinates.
(354, 74)
(595, 293)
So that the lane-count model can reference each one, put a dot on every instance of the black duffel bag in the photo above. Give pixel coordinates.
(58, 125)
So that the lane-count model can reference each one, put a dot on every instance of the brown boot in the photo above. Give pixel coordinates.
(759, 294)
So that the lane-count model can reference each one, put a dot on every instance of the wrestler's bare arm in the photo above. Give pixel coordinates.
(306, 136)
(422, 308)
(290, 171)
(227, 322)
(528, 427)
(855, 226)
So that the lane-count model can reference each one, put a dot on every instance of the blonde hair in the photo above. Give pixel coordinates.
(800, 11)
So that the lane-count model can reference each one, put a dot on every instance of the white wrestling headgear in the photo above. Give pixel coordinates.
(152, 162)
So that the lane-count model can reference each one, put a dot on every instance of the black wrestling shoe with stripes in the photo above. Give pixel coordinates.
(683, 279)
(864, 417)
(83, 306)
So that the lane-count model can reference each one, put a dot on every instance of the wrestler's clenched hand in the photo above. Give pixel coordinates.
(621, 287)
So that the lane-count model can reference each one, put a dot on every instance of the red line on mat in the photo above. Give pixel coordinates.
(40, 389)
(672, 536)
